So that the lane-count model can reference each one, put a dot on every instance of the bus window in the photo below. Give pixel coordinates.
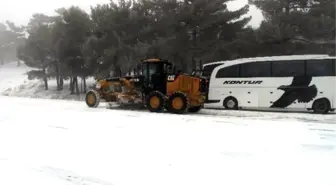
(320, 67)
(256, 69)
(228, 72)
(288, 68)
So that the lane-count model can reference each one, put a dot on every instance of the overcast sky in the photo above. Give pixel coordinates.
(20, 11)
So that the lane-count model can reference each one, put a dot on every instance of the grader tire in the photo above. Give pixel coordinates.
(155, 101)
(178, 103)
(92, 99)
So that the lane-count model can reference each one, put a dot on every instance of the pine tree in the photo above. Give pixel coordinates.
(199, 29)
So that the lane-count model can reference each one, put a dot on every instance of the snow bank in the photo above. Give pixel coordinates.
(12, 76)
(35, 89)
(14, 82)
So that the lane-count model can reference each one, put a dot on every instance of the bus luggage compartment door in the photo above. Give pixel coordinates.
(248, 98)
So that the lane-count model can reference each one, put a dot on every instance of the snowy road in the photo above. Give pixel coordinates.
(58, 142)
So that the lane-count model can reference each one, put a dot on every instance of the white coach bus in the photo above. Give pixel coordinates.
(297, 82)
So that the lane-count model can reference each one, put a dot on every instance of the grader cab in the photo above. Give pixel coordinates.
(156, 86)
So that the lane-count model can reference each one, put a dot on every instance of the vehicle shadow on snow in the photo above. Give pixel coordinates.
(249, 114)
(287, 111)
(305, 116)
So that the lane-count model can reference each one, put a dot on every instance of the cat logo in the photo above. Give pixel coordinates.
(171, 77)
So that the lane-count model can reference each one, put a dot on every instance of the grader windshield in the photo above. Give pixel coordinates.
(154, 72)
(149, 69)
(155, 67)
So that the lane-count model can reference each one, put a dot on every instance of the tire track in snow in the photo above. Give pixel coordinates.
(71, 177)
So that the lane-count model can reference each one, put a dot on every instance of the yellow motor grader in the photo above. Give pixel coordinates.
(157, 86)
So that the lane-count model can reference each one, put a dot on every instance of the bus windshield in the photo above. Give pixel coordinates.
(207, 70)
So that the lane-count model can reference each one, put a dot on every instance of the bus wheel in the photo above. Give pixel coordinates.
(230, 103)
(321, 106)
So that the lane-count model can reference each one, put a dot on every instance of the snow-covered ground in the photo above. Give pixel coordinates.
(62, 142)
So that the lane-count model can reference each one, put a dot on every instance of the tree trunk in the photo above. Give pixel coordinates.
(120, 72)
(117, 70)
(287, 8)
(61, 83)
(57, 77)
(193, 64)
(45, 79)
(84, 83)
(18, 63)
(76, 85)
(45, 83)
(193, 60)
(71, 85)
(184, 65)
